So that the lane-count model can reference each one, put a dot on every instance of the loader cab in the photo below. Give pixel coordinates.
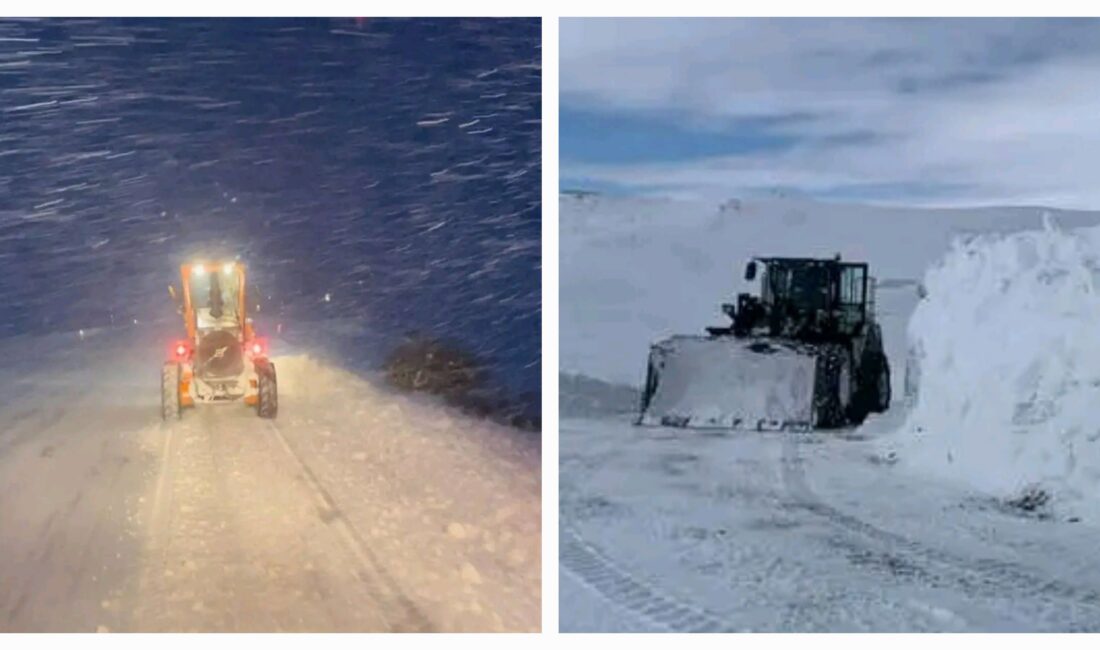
(214, 298)
(853, 295)
(808, 297)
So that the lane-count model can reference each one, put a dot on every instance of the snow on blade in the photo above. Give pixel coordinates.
(730, 383)
(1008, 342)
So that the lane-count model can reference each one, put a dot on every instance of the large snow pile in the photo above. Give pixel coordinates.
(1008, 345)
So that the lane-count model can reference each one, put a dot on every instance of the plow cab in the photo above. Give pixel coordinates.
(220, 359)
(804, 352)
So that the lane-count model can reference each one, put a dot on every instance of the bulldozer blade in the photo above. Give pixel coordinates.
(726, 382)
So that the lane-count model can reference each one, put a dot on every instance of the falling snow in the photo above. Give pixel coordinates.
(392, 163)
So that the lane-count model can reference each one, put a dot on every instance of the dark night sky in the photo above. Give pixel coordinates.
(394, 164)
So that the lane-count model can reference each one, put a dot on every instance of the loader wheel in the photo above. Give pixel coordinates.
(650, 386)
(862, 403)
(833, 370)
(267, 404)
(170, 391)
(883, 385)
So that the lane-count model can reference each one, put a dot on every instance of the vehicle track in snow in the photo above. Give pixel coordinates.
(339, 516)
(409, 618)
(624, 590)
(911, 559)
(242, 536)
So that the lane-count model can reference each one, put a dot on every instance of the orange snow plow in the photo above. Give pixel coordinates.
(221, 359)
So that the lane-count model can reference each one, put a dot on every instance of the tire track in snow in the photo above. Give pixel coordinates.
(620, 588)
(371, 571)
(979, 576)
(162, 495)
(211, 515)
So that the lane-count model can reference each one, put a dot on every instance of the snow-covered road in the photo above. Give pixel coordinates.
(356, 510)
(672, 529)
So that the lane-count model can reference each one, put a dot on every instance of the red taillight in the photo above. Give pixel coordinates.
(181, 350)
(257, 348)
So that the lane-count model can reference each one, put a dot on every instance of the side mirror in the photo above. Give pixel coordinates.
(750, 271)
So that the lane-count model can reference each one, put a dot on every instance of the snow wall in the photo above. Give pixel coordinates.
(1008, 345)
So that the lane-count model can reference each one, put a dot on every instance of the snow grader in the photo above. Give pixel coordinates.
(806, 353)
(222, 359)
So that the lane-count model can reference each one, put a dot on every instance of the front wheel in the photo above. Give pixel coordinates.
(267, 403)
(832, 388)
(170, 391)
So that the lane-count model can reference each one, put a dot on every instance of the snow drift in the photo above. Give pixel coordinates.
(1008, 345)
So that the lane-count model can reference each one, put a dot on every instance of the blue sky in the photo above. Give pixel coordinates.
(595, 136)
(915, 112)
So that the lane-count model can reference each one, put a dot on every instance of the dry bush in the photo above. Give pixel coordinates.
(435, 366)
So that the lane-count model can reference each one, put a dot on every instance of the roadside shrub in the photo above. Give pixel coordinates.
(440, 367)
(443, 367)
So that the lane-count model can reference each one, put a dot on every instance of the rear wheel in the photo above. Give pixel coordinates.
(883, 383)
(267, 403)
(170, 391)
(873, 392)
(831, 388)
(650, 386)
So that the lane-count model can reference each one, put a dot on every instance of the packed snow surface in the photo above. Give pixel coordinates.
(1009, 361)
(663, 529)
(357, 509)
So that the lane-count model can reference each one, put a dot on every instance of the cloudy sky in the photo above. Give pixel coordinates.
(914, 112)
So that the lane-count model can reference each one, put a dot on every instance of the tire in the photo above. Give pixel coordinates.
(833, 367)
(170, 391)
(883, 385)
(267, 404)
(876, 379)
(650, 387)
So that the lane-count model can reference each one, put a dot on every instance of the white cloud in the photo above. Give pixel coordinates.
(1003, 111)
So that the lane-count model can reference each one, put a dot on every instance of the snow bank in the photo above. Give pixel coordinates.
(1008, 342)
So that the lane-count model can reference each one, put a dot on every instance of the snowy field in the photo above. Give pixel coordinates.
(356, 510)
(746, 531)
(904, 524)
